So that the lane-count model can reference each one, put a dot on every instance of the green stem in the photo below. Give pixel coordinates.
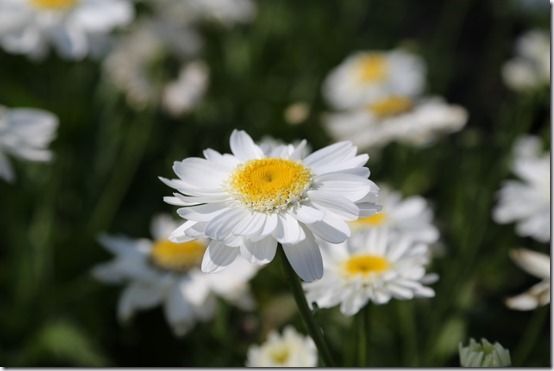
(305, 312)
(530, 336)
(363, 331)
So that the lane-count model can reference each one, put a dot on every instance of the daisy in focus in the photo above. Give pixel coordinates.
(409, 217)
(397, 119)
(527, 201)
(538, 265)
(290, 349)
(76, 28)
(162, 272)
(374, 75)
(371, 267)
(247, 202)
(530, 68)
(25, 133)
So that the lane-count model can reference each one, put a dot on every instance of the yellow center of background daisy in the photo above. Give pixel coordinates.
(372, 68)
(391, 106)
(270, 184)
(374, 220)
(53, 4)
(363, 265)
(279, 355)
(177, 256)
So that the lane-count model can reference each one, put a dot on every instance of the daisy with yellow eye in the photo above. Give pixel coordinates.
(289, 349)
(410, 217)
(167, 273)
(76, 28)
(397, 118)
(247, 202)
(25, 133)
(371, 267)
(367, 77)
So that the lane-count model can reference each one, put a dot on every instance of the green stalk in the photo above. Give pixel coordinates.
(363, 330)
(307, 316)
(530, 336)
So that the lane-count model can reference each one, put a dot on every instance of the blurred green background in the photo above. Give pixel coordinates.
(108, 158)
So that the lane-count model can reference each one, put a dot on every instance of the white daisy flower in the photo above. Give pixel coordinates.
(409, 217)
(365, 77)
(187, 91)
(288, 350)
(162, 272)
(25, 133)
(397, 118)
(527, 201)
(129, 66)
(530, 68)
(248, 202)
(371, 266)
(538, 265)
(73, 27)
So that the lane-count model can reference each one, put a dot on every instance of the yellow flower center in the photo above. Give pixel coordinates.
(372, 68)
(270, 184)
(53, 4)
(279, 355)
(364, 265)
(177, 256)
(374, 220)
(391, 106)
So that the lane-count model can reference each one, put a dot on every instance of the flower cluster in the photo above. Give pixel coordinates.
(378, 95)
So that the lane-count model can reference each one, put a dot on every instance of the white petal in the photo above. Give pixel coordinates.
(243, 147)
(260, 252)
(330, 229)
(307, 214)
(6, 171)
(288, 230)
(218, 256)
(335, 203)
(305, 258)
(532, 262)
(138, 296)
(202, 213)
(220, 227)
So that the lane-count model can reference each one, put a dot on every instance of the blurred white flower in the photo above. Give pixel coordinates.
(76, 28)
(397, 118)
(272, 147)
(527, 201)
(530, 68)
(410, 217)
(162, 272)
(371, 266)
(248, 202)
(484, 354)
(188, 90)
(538, 265)
(25, 133)
(367, 77)
(288, 350)
(130, 66)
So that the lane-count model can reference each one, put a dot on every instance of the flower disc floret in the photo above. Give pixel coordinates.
(270, 184)
(365, 265)
(177, 256)
(53, 4)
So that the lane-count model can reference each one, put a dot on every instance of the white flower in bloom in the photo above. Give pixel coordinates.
(527, 201)
(248, 202)
(484, 354)
(409, 217)
(366, 77)
(130, 65)
(288, 350)
(186, 92)
(371, 266)
(530, 68)
(538, 265)
(162, 272)
(74, 27)
(397, 118)
(25, 133)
